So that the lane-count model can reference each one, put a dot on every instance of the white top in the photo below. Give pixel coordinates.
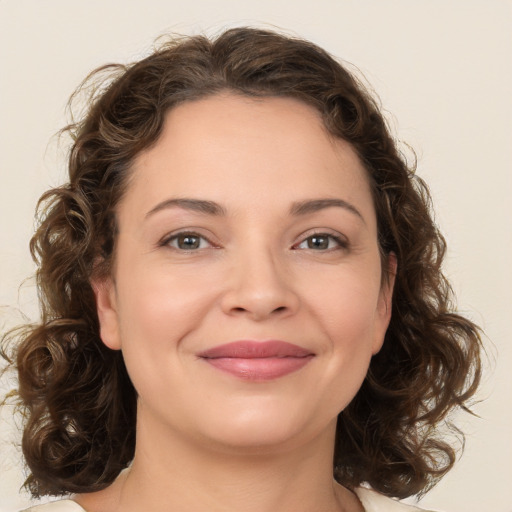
(372, 502)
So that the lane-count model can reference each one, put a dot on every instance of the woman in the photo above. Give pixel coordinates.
(242, 301)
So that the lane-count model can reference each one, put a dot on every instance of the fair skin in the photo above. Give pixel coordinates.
(276, 240)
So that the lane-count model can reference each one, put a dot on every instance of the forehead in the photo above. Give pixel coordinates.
(235, 149)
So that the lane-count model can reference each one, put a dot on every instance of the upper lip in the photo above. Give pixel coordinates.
(246, 349)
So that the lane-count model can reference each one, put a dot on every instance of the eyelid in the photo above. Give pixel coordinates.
(340, 239)
(165, 240)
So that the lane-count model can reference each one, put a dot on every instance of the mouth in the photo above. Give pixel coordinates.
(257, 360)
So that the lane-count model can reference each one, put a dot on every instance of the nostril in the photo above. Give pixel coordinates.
(259, 300)
(240, 309)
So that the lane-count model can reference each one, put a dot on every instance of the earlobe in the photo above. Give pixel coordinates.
(385, 307)
(104, 291)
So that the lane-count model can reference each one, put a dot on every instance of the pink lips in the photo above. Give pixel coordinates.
(257, 360)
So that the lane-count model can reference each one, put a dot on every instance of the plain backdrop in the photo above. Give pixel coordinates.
(442, 69)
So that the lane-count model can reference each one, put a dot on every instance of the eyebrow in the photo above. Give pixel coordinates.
(297, 209)
(197, 205)
(315, 205)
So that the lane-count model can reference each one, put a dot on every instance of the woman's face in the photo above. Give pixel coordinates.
(246, 295)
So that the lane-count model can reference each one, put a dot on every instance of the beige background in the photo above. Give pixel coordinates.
(442, 67)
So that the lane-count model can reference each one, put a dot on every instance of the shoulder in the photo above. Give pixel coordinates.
(375, 502)
(57, 506)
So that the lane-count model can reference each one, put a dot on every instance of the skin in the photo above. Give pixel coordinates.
(207, 440)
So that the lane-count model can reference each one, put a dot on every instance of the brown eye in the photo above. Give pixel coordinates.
(318, 242)
(322, 242)
(187, 242)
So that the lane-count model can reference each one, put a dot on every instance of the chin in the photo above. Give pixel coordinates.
(260, 440)
(260, 429)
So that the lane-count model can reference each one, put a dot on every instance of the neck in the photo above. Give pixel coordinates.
(170, 473)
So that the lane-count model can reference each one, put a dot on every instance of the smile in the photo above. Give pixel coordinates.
(257, 361)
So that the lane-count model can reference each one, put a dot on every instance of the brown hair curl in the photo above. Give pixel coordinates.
(80, 404)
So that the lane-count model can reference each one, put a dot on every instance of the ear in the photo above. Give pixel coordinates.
(384, 306)
(106, 306)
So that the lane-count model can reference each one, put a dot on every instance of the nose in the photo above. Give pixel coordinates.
(259, 287)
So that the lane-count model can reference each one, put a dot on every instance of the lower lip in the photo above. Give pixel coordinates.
(259, 369)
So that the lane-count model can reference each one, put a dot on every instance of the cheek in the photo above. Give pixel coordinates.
(346, 309)
(157, 311)
(347, 304)
(159, 301)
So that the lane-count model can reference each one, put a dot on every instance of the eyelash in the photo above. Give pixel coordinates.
(166, 242)
(341, 242)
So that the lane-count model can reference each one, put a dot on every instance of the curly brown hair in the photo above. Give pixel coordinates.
(79, 403)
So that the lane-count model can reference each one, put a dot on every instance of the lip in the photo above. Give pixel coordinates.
(257, 360)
